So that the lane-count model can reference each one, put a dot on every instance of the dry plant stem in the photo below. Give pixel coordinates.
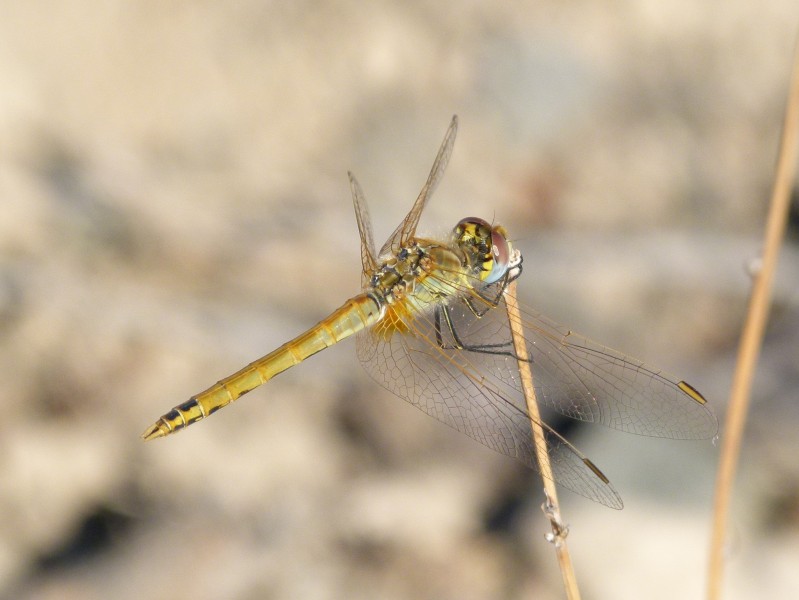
(539, 442)
(752, 336)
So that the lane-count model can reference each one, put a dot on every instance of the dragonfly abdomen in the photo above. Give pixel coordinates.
(356, 314)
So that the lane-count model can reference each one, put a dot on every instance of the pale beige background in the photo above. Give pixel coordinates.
(174, 204)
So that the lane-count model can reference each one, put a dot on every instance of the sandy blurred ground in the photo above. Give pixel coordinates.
(174, 204)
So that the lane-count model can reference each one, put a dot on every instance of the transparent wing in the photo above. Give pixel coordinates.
(578, 377)
(449, 385)
(460, 369)
(407, 228)
(368, 261)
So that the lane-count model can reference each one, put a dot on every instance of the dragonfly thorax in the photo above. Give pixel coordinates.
(415, 280)
(399, 275)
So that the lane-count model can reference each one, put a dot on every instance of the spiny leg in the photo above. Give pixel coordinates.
(499, 349)
(512, 274)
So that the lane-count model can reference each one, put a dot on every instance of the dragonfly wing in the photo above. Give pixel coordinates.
(445, 383)
(578, 377)
(406, 230)
(368, 260)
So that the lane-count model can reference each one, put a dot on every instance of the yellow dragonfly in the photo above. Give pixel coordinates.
(431, 326)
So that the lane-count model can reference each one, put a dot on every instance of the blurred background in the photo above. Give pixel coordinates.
(174, 204)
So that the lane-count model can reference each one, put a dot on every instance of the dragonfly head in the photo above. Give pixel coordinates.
(488, 246)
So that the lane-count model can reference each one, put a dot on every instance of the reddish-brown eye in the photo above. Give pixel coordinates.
(500, 250)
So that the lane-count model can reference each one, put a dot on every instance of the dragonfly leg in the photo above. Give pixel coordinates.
(500, 349)
(512, 274)
(491, 302)
(437, 322)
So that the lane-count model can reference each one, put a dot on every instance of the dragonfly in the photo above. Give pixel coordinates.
(431, 326)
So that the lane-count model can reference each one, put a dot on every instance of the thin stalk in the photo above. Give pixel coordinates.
(551, 507)
(752, 336)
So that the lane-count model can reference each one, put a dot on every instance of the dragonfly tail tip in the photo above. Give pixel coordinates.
(153, 431)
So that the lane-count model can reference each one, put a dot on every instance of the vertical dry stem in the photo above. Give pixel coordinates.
(752, 336)
(552, 510)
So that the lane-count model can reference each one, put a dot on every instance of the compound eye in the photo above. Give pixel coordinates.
(472, 222)
(500, 252)
(492, 243)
